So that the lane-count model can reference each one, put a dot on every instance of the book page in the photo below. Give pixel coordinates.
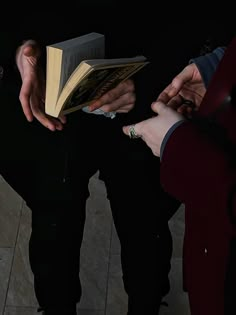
(98, 82)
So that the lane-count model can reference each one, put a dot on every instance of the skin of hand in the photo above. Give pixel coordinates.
(153, 130)
(120, 99)
(187, 85)
(32, 93)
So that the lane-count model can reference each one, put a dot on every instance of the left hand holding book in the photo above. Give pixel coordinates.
(32, 93)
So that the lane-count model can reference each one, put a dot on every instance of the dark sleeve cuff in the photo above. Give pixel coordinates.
(208, 63)
(168, 134)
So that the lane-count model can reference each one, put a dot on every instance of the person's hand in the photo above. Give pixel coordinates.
(185, 92)
(153, 130)
(32, 93)
(121, 99)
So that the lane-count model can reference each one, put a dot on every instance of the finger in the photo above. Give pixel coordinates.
(175, 102)
(163, 96)
(31, 49)
(123, 88)
(48, 122)
(24, 98)
(125, 109)
(158, 107)
(120, 103)
(185, 110)
(57, 123)
(62, 119)
(176, 85)
(126, 130)
(135, 131)
(170, 91)
(107, 98)
(180, 80)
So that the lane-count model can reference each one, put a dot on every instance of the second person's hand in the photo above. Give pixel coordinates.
(153, 130)
(185, 92)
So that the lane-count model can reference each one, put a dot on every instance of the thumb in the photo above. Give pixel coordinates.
(158, 107)
(31, 49)
(126, 130)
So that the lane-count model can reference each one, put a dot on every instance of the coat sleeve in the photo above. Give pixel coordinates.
(208, 63)
(193, 168)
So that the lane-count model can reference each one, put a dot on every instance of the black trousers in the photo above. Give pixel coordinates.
(51, 172)
(139, 207)
(146, 246)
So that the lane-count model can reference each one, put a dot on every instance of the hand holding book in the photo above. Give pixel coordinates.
(77, 73)
(32, 93)
(119, 99)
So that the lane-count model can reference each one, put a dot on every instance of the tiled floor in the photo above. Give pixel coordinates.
(103, 292)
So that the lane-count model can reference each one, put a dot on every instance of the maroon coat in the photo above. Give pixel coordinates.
(197, 171)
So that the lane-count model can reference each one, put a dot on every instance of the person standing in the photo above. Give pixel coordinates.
(197, 144)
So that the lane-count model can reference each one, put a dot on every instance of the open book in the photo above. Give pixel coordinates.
(77, 73)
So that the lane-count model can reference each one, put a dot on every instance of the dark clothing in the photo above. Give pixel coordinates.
(208, 63)
(207, 151)
(51, 170)
(56, 188)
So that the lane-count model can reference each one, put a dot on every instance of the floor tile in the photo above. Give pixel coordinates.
(10, 210)
(21, 292)
(116, 298)
(90, 312)
(177, 298)
(8, 195)
(95, 249)
(21, 311)
(6, 256)
(177, 226)
(101, 276)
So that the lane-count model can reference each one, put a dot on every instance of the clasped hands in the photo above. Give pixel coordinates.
(121, 99)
